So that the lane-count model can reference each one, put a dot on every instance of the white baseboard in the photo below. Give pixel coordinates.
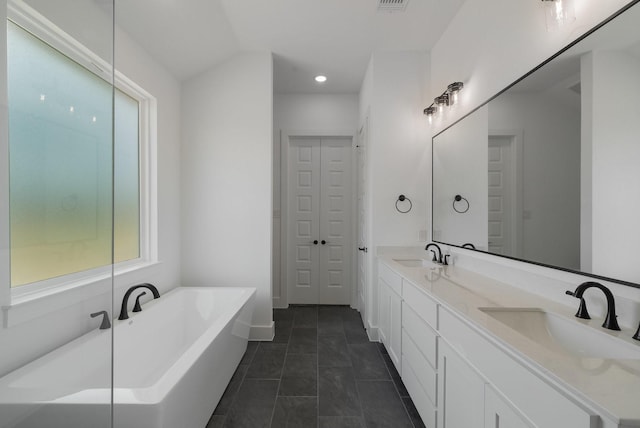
(372, 332)
(262, 332)
(279, 303)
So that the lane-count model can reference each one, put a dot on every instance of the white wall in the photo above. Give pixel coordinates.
(398, 155)
(50, 322)
(316, 114)
(614, 89)
(460, 159)
(226, 184)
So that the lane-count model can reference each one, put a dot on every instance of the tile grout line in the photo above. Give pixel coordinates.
(394, 384)
(284, 361)
(364, 420)
(235, 396)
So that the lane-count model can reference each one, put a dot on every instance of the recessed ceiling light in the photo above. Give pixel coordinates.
(321, 79)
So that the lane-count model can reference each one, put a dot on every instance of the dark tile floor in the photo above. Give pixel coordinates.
(319, 371)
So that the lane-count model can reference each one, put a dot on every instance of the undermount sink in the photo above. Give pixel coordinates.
(563, 335)
(414, 262)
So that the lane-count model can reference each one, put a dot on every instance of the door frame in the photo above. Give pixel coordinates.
(285, 145)
(516, 143)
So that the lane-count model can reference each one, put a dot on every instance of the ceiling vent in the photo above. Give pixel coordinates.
(392, 5)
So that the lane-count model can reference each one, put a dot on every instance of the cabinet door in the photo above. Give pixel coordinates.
(383, 312)
(499, 414)
(395, 329)
(460, 391)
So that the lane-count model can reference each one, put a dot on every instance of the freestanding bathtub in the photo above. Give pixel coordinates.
(171, 364)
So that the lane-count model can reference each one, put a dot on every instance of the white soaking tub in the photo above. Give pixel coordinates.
(172, 362)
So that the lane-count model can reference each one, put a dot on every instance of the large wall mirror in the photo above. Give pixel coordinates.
(548, 171)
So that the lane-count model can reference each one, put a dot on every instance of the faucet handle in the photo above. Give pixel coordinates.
(582, 309)
(106, 324)
(137, 307)
(446, 259)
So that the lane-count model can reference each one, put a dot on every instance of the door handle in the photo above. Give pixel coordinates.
(315, 242)
(323, 242)
(363, 249)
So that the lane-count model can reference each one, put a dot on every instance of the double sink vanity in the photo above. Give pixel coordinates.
(474, 352)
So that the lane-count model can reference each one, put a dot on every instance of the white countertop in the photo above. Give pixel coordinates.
(610, 386)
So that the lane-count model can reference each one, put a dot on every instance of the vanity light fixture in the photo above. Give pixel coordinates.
(320, 78)
(441, 102)
(430, 111)
(558, 12)
(453, 90)
(448, 98)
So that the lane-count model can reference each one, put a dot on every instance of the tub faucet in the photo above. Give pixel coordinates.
(123, 310)
(610, 321)
(437, 258)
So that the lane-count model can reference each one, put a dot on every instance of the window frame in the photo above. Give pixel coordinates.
(33, 22)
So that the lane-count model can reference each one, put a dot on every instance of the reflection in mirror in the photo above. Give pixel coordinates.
(551, 166)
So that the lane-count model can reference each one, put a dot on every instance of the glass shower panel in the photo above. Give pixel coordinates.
(56, 213)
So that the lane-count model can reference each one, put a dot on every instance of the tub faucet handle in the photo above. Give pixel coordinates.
(137, 307)
(106, 324)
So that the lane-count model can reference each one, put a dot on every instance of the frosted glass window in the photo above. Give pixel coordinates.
(72, 209)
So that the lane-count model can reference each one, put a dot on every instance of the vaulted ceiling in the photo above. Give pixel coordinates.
(307, 37)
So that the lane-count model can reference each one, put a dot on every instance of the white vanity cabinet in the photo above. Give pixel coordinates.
(420, 351)
(457, 375)
(535, 402)
(468, 400)
(499, 414)
(390, 313)
(461, 392)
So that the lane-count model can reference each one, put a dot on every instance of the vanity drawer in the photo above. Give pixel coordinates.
(424, 337)
(425, 307)
(541, 403)
(423, 404)
(392, 279)
(420, 367)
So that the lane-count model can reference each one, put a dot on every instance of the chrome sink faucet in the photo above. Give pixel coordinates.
(123, 310)
(437, 258)
(610, 321)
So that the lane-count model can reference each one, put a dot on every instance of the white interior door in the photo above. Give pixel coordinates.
(500, 200)
(362, 218)
(304, 227)
(319, 205)
(335, 221)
